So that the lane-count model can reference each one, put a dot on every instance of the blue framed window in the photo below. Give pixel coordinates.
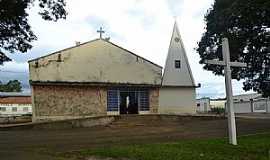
(144, 100)
(141, 98)
(112, 100)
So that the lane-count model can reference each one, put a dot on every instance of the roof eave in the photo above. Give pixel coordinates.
(105, 84)
(62, 50)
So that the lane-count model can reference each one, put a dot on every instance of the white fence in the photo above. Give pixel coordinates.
(242, 107)
(260, 106)
(256, 106)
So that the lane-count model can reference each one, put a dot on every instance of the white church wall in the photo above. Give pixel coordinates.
(177, 100)
(98, 61)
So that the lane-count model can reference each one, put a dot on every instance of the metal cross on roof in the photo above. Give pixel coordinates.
(100, 31)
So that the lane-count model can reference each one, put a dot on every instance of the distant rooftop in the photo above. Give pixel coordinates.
(15, 94)
(15, 100)
(249, 95)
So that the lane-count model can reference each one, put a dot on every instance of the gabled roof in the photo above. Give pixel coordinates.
(97, 61)
(94, 41)
(135, 54)
(35, 59)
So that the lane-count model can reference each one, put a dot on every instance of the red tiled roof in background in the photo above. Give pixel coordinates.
(16, 100)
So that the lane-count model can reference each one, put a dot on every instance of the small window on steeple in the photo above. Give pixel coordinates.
(59, 58)
(177, 64)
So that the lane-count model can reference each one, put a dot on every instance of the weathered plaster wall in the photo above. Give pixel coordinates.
(177, 100)
(153, 100)
(97, 61)
(64, 102)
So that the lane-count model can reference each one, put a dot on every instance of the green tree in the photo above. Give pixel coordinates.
(11, 86)
(247, 25)
(3, 58)
(15, 31)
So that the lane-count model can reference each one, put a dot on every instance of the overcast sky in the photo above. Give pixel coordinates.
(141, 26)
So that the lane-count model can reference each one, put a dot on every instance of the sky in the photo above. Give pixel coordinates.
(141, 26)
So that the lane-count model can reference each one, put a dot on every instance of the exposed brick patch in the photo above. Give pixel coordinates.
(52, 101)
(69, 100)
(154, 100)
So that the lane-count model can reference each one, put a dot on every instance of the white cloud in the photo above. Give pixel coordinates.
(141, 26)
(19, 67)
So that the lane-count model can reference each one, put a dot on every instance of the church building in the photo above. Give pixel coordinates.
(99, 78)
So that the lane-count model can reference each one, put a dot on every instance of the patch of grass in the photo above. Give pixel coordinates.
(254, 147)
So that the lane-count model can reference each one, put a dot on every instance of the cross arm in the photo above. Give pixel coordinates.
(222, 63)
(215, 62)
(238, 64)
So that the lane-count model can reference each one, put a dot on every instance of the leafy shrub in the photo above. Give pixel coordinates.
(217, 110)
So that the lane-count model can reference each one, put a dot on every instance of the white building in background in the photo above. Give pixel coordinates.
(244, 103)
(203, 105)
(251, 103)
(218, 103)
(15, 104)
(246, 97)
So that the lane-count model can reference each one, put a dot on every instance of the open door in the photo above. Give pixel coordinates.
(128, 103)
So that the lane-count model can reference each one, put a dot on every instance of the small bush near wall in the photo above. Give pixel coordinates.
(217, 110)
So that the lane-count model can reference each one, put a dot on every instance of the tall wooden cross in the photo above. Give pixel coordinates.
(100, 31)
(227, 64)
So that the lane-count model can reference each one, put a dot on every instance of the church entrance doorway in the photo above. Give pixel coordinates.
(128, 102)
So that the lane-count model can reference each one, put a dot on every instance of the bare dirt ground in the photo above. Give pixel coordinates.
(38, 144)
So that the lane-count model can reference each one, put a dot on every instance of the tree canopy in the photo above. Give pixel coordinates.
(246, 23)
(11, 86)
(15, 31)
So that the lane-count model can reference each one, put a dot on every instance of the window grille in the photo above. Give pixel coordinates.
(144, 100)
(3, 109)
(14, 109)
(112, 100)
(25, 109)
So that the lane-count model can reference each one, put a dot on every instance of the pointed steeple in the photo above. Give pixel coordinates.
(177, 71)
